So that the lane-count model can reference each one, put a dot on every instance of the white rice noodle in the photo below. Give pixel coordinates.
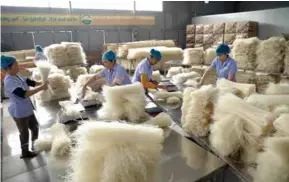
(286, 58)
(199, 69)
(75, 71)
(145, 52)
(281, 124)
(57, 55)
(210, 55)
(37, 77)
(54, 95)
(281, 109)
(43, 144)
(174, 71)
(183, 77)
(199, 113)
(82, 79)
(156, 76)
(44, 70)
(193, 56)
(124, 102)
(186, 102)
(173, 100)
(246, 89)
(96, 69)
(91, 95)
(211, 77)
(244, 52)
(262, 80)
(192, 82)
(246, 77)
(59, 81)
(277, 89)
(109, 152)
(162, 120)
(268, 100)
(61, 141)
(75, 53)
(164, 95)
(270, 54)
(273, 164)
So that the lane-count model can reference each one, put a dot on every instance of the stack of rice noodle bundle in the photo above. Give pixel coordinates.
(75, 53)
(181, 78)
(244, 52)
(196, 117)
(82, 79)
(245, 89)
(193, 56)
(75, 71)
(270, 55)
(246, 77)
(239, 129)
(174, 71)
(286, 58)
(277, 89)
(113, 151)
(57, 55)
(96, 69)
(124, 102)
(210, 55)
(169, 97)
(211, 77)
(262, 80)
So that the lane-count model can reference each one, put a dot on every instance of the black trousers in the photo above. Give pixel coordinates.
(24, 125)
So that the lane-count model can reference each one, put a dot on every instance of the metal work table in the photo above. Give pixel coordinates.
(181, 159)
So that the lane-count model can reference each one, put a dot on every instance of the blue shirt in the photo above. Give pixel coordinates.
(117, 75)
(18, 107)
(40, 56)
(144, 67)
(224, 69)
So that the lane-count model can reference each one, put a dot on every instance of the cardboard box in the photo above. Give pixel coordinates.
(230, 28)
(229, 38)
(199, 39)
(199, 29)
(191, 29)
(208, 39)
(208, 28)
(190, 39)
(246, 26)
(218, 39)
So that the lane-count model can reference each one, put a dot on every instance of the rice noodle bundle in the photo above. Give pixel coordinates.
(270, 54)
(281, 124)
(56, 54)
(277, 89)
(43, 144)
(95, 69)
(61, 142)
(162, 120)
(262, 80)
(37, 77)
(192, 82)
(269, 100)
(174, 71)
(246, 77)
(44, 70)
(127, 101)
(109, 152)
(281, 109)
(199, 69)
(186, 103)
(210, 55)
(75, 53)
(286, 58)
(198, 115)
(173, 100)
(183, 77)
(165, 95)
(244, 52)
(273, 163)
(246, 89)
(57, 81)
(193, 56)
(74, 72)
(156, 76)
(82, 79)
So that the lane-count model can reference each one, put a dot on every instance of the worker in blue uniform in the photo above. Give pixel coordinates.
(226, 67)
(39, 54)
(114, 73)
(144, 70)
(20, 106)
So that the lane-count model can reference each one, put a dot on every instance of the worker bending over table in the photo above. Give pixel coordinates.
(225, 66)
(144, 70)
(20, 106)
(114, 73)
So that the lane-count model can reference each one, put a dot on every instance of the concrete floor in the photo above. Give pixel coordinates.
(15, 169)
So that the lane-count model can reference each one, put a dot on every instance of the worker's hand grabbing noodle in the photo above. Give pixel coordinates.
(44, 85)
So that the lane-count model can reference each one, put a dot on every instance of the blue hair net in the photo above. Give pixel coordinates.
(38, 48)
(6, 61)
(223, 49)
(109, 56)
(156, 54)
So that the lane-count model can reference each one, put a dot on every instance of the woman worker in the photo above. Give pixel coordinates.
(144, 70)
(20, 106)
(39, 53)
(114, 73)
(225, 66)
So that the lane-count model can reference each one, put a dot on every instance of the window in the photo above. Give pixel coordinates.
(104, 5)
(149, 6)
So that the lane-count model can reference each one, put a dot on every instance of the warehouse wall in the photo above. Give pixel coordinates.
(243, 6)
(170, 24)
(271, 22)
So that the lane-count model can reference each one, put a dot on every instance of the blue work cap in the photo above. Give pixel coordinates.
(38, 48)
(7, 61)
(223, 49)
(109, 56)
(156, 54)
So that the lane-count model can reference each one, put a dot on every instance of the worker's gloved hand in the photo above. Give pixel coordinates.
(44, 85)
(83, 91)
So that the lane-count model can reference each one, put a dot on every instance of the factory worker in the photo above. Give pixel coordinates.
(39, 53)
(114, 73)
(144, 70)
(20, 106)
(225, 66)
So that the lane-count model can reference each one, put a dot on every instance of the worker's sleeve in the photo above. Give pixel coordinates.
(119, 77)
(100, 74)
(233, 68)
(214, 63)
(30, 83)
(11, 85)
(146, 83)
(19, 92)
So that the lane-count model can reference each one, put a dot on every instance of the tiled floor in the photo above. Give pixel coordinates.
(15, 169)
